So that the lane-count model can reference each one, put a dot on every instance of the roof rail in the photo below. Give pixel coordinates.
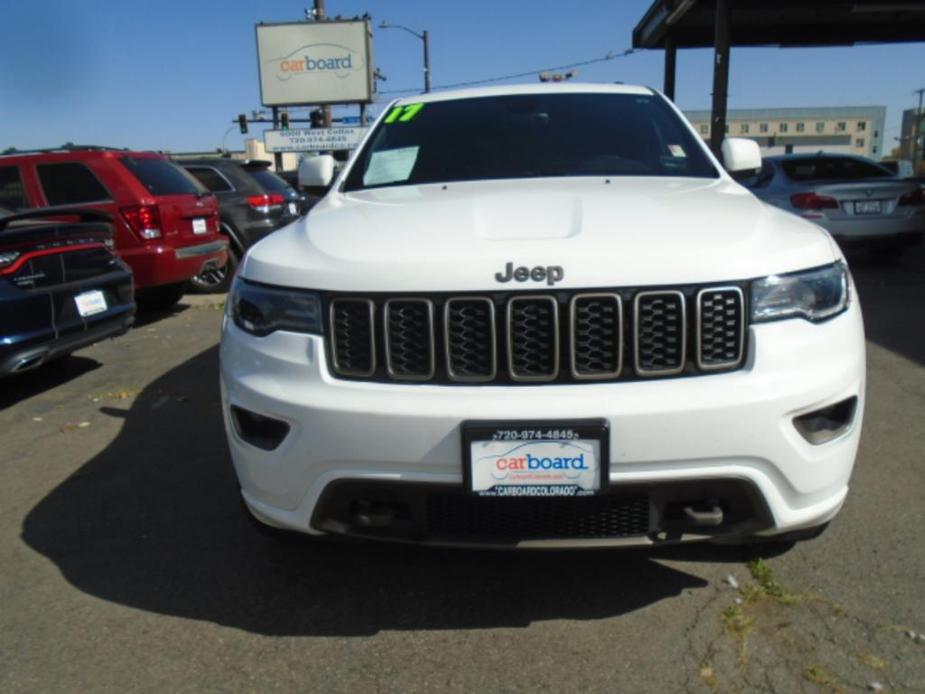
(66, 147)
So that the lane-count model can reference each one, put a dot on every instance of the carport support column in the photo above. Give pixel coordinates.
(671, 52)
(720, 76)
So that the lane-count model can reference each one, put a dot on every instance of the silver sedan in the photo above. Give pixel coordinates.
(858, 201)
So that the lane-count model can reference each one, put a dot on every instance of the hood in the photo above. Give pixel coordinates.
(620, 232)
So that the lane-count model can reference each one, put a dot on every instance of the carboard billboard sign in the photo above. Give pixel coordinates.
(315, 63)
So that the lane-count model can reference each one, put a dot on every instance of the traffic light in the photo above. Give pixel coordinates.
(242, 123)
(284, 121)
(316, 118)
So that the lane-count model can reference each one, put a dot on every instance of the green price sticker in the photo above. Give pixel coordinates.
(403, 114)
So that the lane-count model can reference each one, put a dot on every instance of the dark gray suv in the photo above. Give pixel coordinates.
(253, 201)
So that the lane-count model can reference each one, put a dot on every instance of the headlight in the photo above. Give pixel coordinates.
(812, 294)
(260, 309)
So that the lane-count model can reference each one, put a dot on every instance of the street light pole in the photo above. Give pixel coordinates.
(225, 136)
(425, 37)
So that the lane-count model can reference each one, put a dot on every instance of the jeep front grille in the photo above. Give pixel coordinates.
(470, 339)
(660, 333)
(549, 337)
(353, 323)
(409, 339)
(533, 338)
(720, 328)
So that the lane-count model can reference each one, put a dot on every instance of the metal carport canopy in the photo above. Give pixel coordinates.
(673, 24)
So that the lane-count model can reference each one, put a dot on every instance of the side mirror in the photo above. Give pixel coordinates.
(316, 172)
(741, 155)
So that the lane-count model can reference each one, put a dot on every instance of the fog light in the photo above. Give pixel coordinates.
(258, 430)
(821, 426)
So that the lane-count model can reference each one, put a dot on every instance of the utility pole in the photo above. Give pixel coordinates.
(277, 156)
(917, 133)
(319, 17)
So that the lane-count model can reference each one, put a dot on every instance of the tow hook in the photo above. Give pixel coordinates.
(704, 514)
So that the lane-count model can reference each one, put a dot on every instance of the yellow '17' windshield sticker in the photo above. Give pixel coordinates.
(403, 114)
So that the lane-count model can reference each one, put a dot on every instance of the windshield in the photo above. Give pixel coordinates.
(832, 169)
(530, 135)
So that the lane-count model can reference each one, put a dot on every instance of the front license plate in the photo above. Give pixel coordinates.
(199, 226)
(537, 459)
(293, 209)
(90, 303)
(867, 207)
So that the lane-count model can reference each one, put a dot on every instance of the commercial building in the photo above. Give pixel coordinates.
(846, 129)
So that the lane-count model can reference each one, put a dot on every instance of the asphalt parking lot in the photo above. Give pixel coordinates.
(127, 563)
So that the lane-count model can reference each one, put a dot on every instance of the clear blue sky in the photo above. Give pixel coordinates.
(172, 74)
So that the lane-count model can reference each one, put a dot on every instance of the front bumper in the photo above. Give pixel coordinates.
(665, 433)
(905, 228)
(39, 349)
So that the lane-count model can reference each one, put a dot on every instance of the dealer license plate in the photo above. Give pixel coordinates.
(90, 303)
(536, 459)
(199, 226)
(867, 207)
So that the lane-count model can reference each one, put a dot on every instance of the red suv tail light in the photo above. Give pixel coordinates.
(263, 203)
(813, 201)
(144, 220)
(913, 197)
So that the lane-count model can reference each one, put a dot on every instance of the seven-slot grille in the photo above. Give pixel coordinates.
(562, 337)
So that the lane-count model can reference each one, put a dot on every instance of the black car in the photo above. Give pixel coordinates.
(253, 201)
(276, 183)
(308, 197)
(61, 287)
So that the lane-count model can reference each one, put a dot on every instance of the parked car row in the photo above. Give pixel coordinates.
(253, 202)
(861, 203)
(87, 232)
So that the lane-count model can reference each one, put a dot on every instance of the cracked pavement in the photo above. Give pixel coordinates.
(127, 565)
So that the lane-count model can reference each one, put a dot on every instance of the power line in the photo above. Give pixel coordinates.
(501, 78)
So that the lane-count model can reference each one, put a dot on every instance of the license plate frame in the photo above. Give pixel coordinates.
(867, 207)
(200, 226)
(575, 437)
(90, 303)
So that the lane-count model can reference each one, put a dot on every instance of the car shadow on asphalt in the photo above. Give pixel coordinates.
(15, 389)
(154, 522)
(892, 294)
(144, 317)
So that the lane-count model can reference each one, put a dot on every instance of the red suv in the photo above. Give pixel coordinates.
(166, 222)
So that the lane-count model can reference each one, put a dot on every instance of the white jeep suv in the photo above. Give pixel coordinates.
(543, 316)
